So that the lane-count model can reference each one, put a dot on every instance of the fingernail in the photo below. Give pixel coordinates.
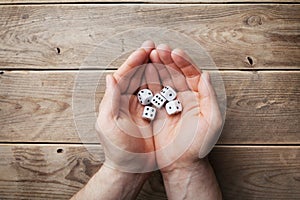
(178, 51)
(148, 44)
(153, 52)
(137, 51)
(163, 47)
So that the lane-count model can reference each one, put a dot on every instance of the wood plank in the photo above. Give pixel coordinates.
(144, 1)
(36, 106)
(244, 172)
(262, 107)
(40, 172)
(62, 36)
(247, 173)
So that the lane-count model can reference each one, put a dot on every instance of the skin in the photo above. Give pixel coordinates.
(188, 81)
(119, 114)
(187, 176)
(110, 183)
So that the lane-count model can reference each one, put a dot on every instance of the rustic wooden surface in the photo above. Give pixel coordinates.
(61, 37)
(43, 43)
(58, 171)
(262, 107)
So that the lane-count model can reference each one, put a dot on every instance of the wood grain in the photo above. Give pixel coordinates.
(257, 172)
(40, 172)
(142, 1)
(36, 106)
(262, 107)
(237, 36)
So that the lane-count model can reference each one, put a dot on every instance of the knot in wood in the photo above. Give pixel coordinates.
(254, 20)
(25, 16)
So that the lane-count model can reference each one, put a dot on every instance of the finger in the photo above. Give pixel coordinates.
(152, 78)
(111, 100)
(154, 58)
(184, 62)
(129, 67)
(136, 81)
(164, 75)
(164, 52)
(148, 46)
(190, 71)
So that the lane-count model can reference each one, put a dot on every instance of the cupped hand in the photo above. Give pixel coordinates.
(173, 141)
(180, 140)
(123, 134)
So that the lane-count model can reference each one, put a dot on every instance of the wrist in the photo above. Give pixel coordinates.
(123, 176)
(125, 185)
(181, 171)
(194, 181)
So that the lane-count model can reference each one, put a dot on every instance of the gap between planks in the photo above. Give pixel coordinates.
(5, 70)
(167, 2)
(44, 144)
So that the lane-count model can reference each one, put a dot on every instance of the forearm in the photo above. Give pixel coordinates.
(109, 184)
(195, 182)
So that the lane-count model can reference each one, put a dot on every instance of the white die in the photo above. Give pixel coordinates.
(149, 113)
(173, 107)
(169, 93)
(145, 96)
(158, 100)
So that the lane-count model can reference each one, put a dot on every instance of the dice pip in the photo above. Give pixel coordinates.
(173, 107)
(149, 113)
(158, 100)
(169, 93)
(145, 96)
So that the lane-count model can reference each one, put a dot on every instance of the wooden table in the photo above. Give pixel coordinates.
(255, 44)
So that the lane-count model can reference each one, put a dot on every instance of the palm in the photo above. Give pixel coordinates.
(190, 120)
(192, 133)
(120, 129)
(182, 137)
(132, 127)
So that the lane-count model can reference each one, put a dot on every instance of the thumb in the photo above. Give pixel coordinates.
(205, 86)
(210, 110)
(111, 99)
(208, 98)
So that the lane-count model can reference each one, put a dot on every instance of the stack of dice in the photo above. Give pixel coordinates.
(145, 97)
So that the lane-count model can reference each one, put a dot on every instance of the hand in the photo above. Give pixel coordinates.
(180, 140)
(124, 135)
(122, 131)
